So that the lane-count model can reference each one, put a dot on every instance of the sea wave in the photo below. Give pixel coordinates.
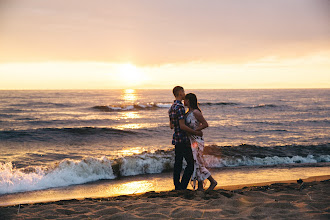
(151, 106)
(49, 133)
(65, 173)
(42, 105)
(217, 103)
(70, 172)
(264, 106)
(251, 151)
(133, 107)
(217, 162)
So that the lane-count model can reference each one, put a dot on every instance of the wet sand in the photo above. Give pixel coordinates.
(285, 200)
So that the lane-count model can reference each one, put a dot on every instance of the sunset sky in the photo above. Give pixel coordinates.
(105, 44)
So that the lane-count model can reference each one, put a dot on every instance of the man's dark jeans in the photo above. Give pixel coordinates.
(183, 150)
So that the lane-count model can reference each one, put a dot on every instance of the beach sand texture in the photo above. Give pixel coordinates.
(311, 200)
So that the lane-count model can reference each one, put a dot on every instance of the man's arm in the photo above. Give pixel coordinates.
(184, 127)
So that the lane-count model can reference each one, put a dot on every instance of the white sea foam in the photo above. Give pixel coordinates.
(216, 162)
(145, 164)
(70, 172)
(67, 172)
(114, 108)
(163, 105)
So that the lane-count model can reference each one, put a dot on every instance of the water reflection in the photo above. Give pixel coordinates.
(137, 126)
(129, 95)
(130, 151)
(129, 115)
(134, 187)
(129, 126)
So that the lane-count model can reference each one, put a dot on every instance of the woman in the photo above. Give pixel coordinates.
(196, 121)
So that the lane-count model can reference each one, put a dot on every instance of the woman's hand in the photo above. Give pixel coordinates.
(199, 116)
(184, 127)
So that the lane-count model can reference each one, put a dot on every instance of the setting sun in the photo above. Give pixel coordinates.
(130, 75)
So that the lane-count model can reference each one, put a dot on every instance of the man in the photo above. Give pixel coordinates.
(181, 140)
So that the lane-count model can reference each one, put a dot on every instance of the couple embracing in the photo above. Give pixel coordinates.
(188, 141)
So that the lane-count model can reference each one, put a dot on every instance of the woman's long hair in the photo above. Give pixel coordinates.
(192, 101)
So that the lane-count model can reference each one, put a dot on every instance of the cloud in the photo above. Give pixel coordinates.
(270, 72)
(158, 32)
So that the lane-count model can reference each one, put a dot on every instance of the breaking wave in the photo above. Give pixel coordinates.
(70, 172)
(65, 173)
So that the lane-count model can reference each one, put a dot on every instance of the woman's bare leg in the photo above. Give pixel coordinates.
(213, 183)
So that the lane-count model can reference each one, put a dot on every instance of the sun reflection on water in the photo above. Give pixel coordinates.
(136, 126)
(129, 95)
(129, 126)
(129, 115)
(134, 187)
(130, 151)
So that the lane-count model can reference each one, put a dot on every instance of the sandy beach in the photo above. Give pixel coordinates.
(285, 200)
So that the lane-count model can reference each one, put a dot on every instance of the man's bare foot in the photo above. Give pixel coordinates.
(212, 186)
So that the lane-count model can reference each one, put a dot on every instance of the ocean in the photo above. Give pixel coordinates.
(53, 139)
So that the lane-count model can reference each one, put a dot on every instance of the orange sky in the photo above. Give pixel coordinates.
(207, 44)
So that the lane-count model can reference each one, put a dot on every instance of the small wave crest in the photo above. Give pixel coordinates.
(42, 105)
(263, 106)
(216, 162)
(50, 133)
(133, 107)
(217, 103)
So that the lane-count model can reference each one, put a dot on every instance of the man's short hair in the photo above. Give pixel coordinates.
(176, 90)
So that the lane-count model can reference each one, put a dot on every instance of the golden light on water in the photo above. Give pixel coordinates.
(136, 126)
(129, 95)
(134, 187)
(130, 151)
(129, 91)
(129, 126)
(129, 115)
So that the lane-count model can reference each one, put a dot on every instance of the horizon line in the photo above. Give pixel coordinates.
(164, 89)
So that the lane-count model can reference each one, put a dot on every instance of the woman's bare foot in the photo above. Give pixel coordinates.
(212, 186)
(213, 183)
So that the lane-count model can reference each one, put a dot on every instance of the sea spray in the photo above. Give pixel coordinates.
(145, 164)
(67, 172)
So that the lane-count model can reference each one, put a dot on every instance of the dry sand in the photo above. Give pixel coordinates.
(310, 200)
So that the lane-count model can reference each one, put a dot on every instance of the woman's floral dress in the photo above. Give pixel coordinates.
(197, 145)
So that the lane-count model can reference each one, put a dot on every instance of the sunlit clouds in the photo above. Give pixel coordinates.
(268, 72)
(158, 44)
